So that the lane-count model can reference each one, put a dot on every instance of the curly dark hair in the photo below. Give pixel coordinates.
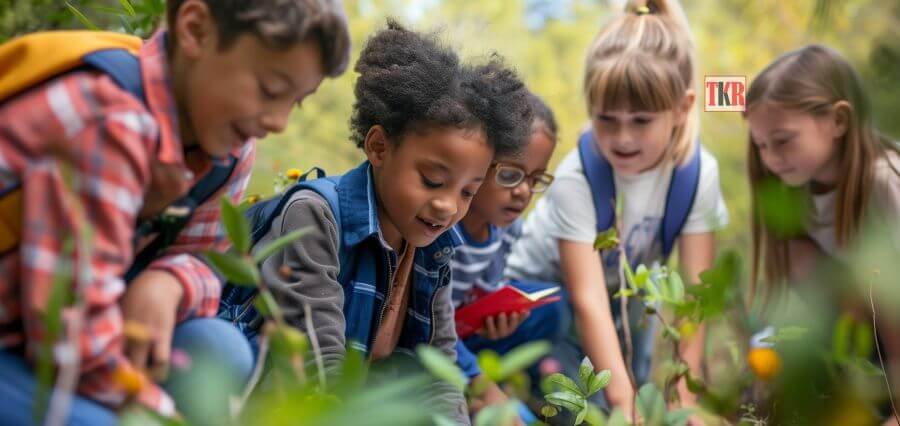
(543, 117)
(408, 80)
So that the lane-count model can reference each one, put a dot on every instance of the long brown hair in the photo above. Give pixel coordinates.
(812, 80)
(644, 60)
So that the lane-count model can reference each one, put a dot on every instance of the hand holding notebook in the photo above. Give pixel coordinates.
(509, 299)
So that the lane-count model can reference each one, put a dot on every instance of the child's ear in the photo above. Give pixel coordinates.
(194, 28)
(376, 145)
(842, 113)
(687, 103)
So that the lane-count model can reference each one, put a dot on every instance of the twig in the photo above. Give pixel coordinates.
(70, 356)
(887, 381)
(317, 353)
(626, 329)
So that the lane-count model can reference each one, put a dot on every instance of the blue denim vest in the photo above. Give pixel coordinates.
(366, 270)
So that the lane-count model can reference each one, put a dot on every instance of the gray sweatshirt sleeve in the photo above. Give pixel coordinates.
(445, 339)
(306, 271)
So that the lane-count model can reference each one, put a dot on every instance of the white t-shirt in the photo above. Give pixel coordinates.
(884, 200)
(566, 212)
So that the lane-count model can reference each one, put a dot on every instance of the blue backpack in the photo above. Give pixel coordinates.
(263, 213)
(679, 200)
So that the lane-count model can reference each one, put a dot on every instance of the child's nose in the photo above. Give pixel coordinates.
(523, 189)
(275, 121)
(444, 206)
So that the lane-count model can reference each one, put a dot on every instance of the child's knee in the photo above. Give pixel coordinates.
(216, 342)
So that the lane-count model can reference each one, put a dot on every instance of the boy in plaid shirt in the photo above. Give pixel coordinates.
(224, 74)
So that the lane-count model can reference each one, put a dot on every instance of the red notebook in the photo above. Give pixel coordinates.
(470, 318)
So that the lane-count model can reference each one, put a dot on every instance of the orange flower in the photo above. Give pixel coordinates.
(131, 380)
(765, 362)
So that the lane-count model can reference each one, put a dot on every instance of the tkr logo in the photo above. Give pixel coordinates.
(725, 93)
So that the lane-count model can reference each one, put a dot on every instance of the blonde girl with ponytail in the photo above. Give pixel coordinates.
(639, 86)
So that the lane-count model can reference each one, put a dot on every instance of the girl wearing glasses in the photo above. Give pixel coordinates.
(487, 233)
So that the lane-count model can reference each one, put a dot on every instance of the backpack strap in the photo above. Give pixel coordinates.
(262, 214)
(599, 174)
(122, 66)
(176, 216)
(680, 200)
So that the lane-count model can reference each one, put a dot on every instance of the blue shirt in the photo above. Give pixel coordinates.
(477, 267)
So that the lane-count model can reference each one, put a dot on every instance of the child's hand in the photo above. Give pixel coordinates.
(502, 325)
(151, 302)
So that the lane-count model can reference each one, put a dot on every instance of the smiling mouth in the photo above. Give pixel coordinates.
(626, 154)
(431, 225)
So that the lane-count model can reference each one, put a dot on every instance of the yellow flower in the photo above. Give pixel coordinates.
(765, 362)
(294, 173)
(687, 329)
(131, 380)
(252, 199)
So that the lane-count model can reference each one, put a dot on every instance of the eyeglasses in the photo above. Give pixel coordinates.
(510, 176)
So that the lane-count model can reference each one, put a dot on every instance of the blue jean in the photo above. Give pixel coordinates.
(214, 347)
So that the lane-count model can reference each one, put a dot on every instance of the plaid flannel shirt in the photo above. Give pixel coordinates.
(108, 139)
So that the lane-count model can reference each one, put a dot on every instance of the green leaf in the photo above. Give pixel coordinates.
(562, 382)
(617, 418)
(863, 340)
(717, 284)
(490, 365)
(262, 307)
(236, 226)
(627, 292)
(279, 243)
(579, 419)
(651, 404)
(287, 340)
(652, 291)
(498, 414)
(629, 274)
(441, 420)
(594, 416)
(109, 10)
(694, 385)
(236, 270)
(128, 7)
(598, 381)
(786, 334)
(607, 239)
(840, 340)
(640, 276)
(522, 357)
(585, 372)
(568, 400)
(678, 417)
(441, 366)
(80, 16)
(781, 208)
(676, 286)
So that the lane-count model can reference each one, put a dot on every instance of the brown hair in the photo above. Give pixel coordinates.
(643, 60)
(282, 24)
(813, 79)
